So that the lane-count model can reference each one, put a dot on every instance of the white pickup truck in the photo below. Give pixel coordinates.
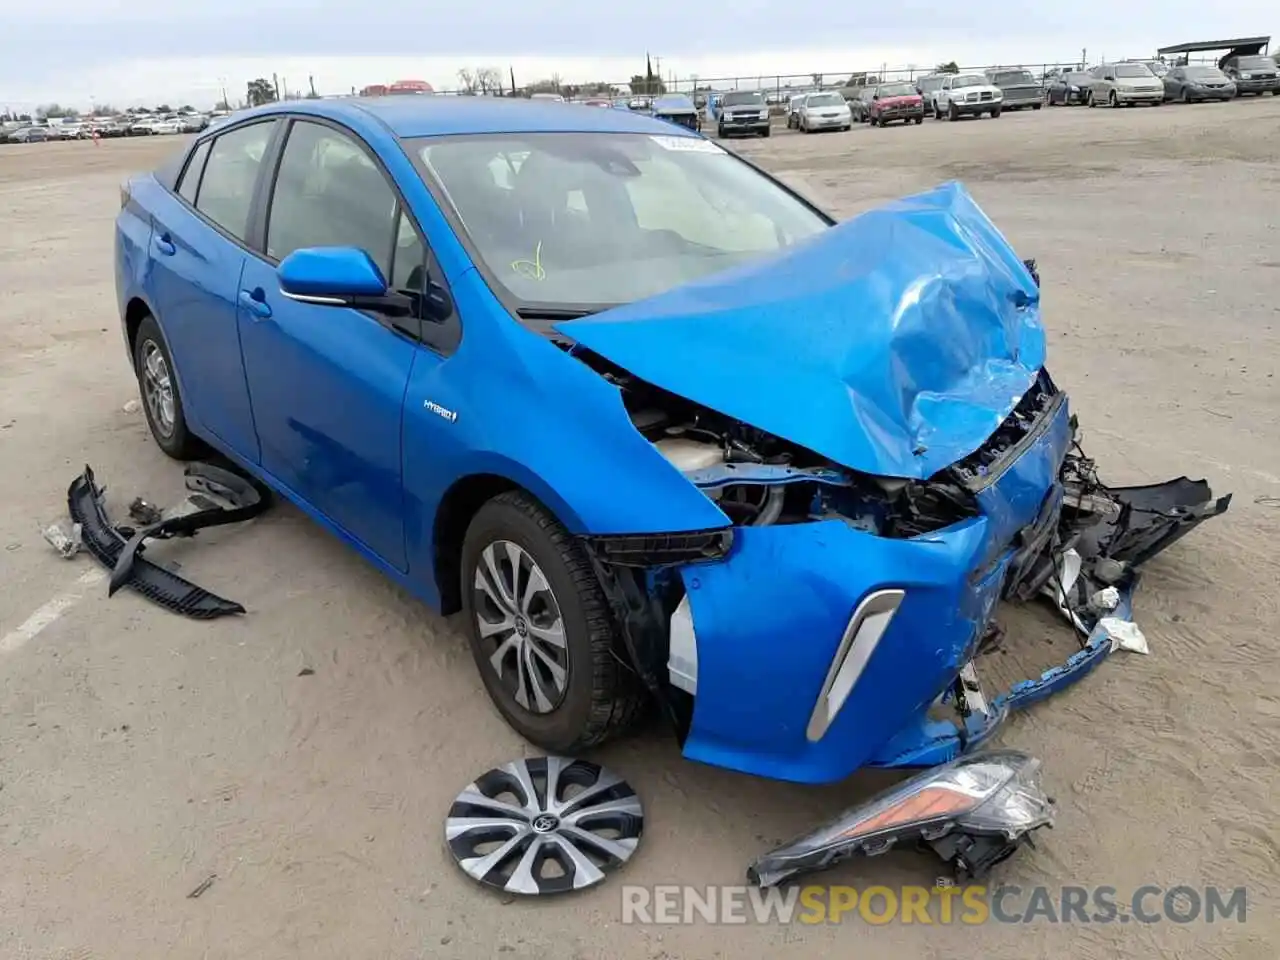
(966, 94)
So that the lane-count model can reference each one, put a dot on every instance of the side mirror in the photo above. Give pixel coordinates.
(339, 277)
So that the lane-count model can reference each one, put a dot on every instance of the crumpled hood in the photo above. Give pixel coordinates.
(893, 344)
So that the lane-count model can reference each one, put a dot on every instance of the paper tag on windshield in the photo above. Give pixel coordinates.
(687, 144)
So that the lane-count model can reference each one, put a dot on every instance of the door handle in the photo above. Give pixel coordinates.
(258, 309)
(164, 245)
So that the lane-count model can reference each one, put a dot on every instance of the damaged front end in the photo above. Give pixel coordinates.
(821, 631)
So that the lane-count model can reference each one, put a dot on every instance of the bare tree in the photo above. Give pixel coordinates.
(467, 81)
(489, 80)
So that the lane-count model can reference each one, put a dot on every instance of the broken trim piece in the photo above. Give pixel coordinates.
(160, 586)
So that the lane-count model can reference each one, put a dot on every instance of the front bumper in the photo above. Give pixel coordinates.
(1140, 96)
(1266, 85)
(968, 108)
(753, 125)
(1016, 100)
(899, 113)
(829, 123)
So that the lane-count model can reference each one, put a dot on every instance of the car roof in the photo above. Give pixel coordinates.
(417, 115)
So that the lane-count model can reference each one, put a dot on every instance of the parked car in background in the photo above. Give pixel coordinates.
(1252, 74)
(1018, 88)
(860, 105)
(793, 111)
(1123, 85)
(193, 122)
(167, 125)
(553, 97)
(677, 108)
(824, 111)
(1158, 68)
(1067, 88)
(640, 104)
(597, 102)
(927, 87)
(895, 101)
(1197, 82)
(28, 134)
(967, 95)
(743, 111)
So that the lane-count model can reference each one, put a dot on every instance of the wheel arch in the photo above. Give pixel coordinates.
(458, 507)
(135, 311)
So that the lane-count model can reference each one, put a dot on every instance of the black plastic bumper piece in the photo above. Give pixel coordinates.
(160, 586)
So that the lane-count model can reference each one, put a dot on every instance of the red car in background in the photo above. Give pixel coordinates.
(895, 101)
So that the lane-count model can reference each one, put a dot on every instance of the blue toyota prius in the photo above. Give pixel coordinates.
(662, 429)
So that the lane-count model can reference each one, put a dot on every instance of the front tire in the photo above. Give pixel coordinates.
(542, 633)
(161, 398)
(953, 114)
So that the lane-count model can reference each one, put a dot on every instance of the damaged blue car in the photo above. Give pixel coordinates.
(664, 432)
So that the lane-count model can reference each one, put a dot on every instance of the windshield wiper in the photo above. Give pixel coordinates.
(552, 313)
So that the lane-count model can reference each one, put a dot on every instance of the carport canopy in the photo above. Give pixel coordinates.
(1243, 47)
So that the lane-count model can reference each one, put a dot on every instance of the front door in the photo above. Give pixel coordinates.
(327, 383)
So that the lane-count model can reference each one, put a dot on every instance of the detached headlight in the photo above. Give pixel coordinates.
(974, 812)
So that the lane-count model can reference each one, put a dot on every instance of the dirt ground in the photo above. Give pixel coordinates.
(141, 753)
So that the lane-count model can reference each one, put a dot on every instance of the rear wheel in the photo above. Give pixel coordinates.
(161, 398)
(542, 633)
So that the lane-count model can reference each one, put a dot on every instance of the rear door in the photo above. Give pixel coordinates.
(328, 383)
(198, 250)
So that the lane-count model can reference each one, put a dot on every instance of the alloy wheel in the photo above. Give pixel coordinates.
(157, 388)
(520, 627)
(544, 825)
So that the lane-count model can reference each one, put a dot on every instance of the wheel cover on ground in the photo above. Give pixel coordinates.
(520, 628)
(157, 388)
(580, 818)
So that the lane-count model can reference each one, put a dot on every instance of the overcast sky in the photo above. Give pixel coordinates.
(80, 52)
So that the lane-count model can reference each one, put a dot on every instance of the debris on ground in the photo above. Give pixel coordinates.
(67, 543)
(204, 885)
(120, 548)
(133, 406)
(144, 512)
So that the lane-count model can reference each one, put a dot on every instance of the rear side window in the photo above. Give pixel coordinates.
(230, 174)
(190, 181)
(329, 193)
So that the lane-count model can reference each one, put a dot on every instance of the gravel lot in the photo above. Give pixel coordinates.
(140, 753)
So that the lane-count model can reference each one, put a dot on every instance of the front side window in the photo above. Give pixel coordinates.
(230, 175)
(330, 193)
(584, 220)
